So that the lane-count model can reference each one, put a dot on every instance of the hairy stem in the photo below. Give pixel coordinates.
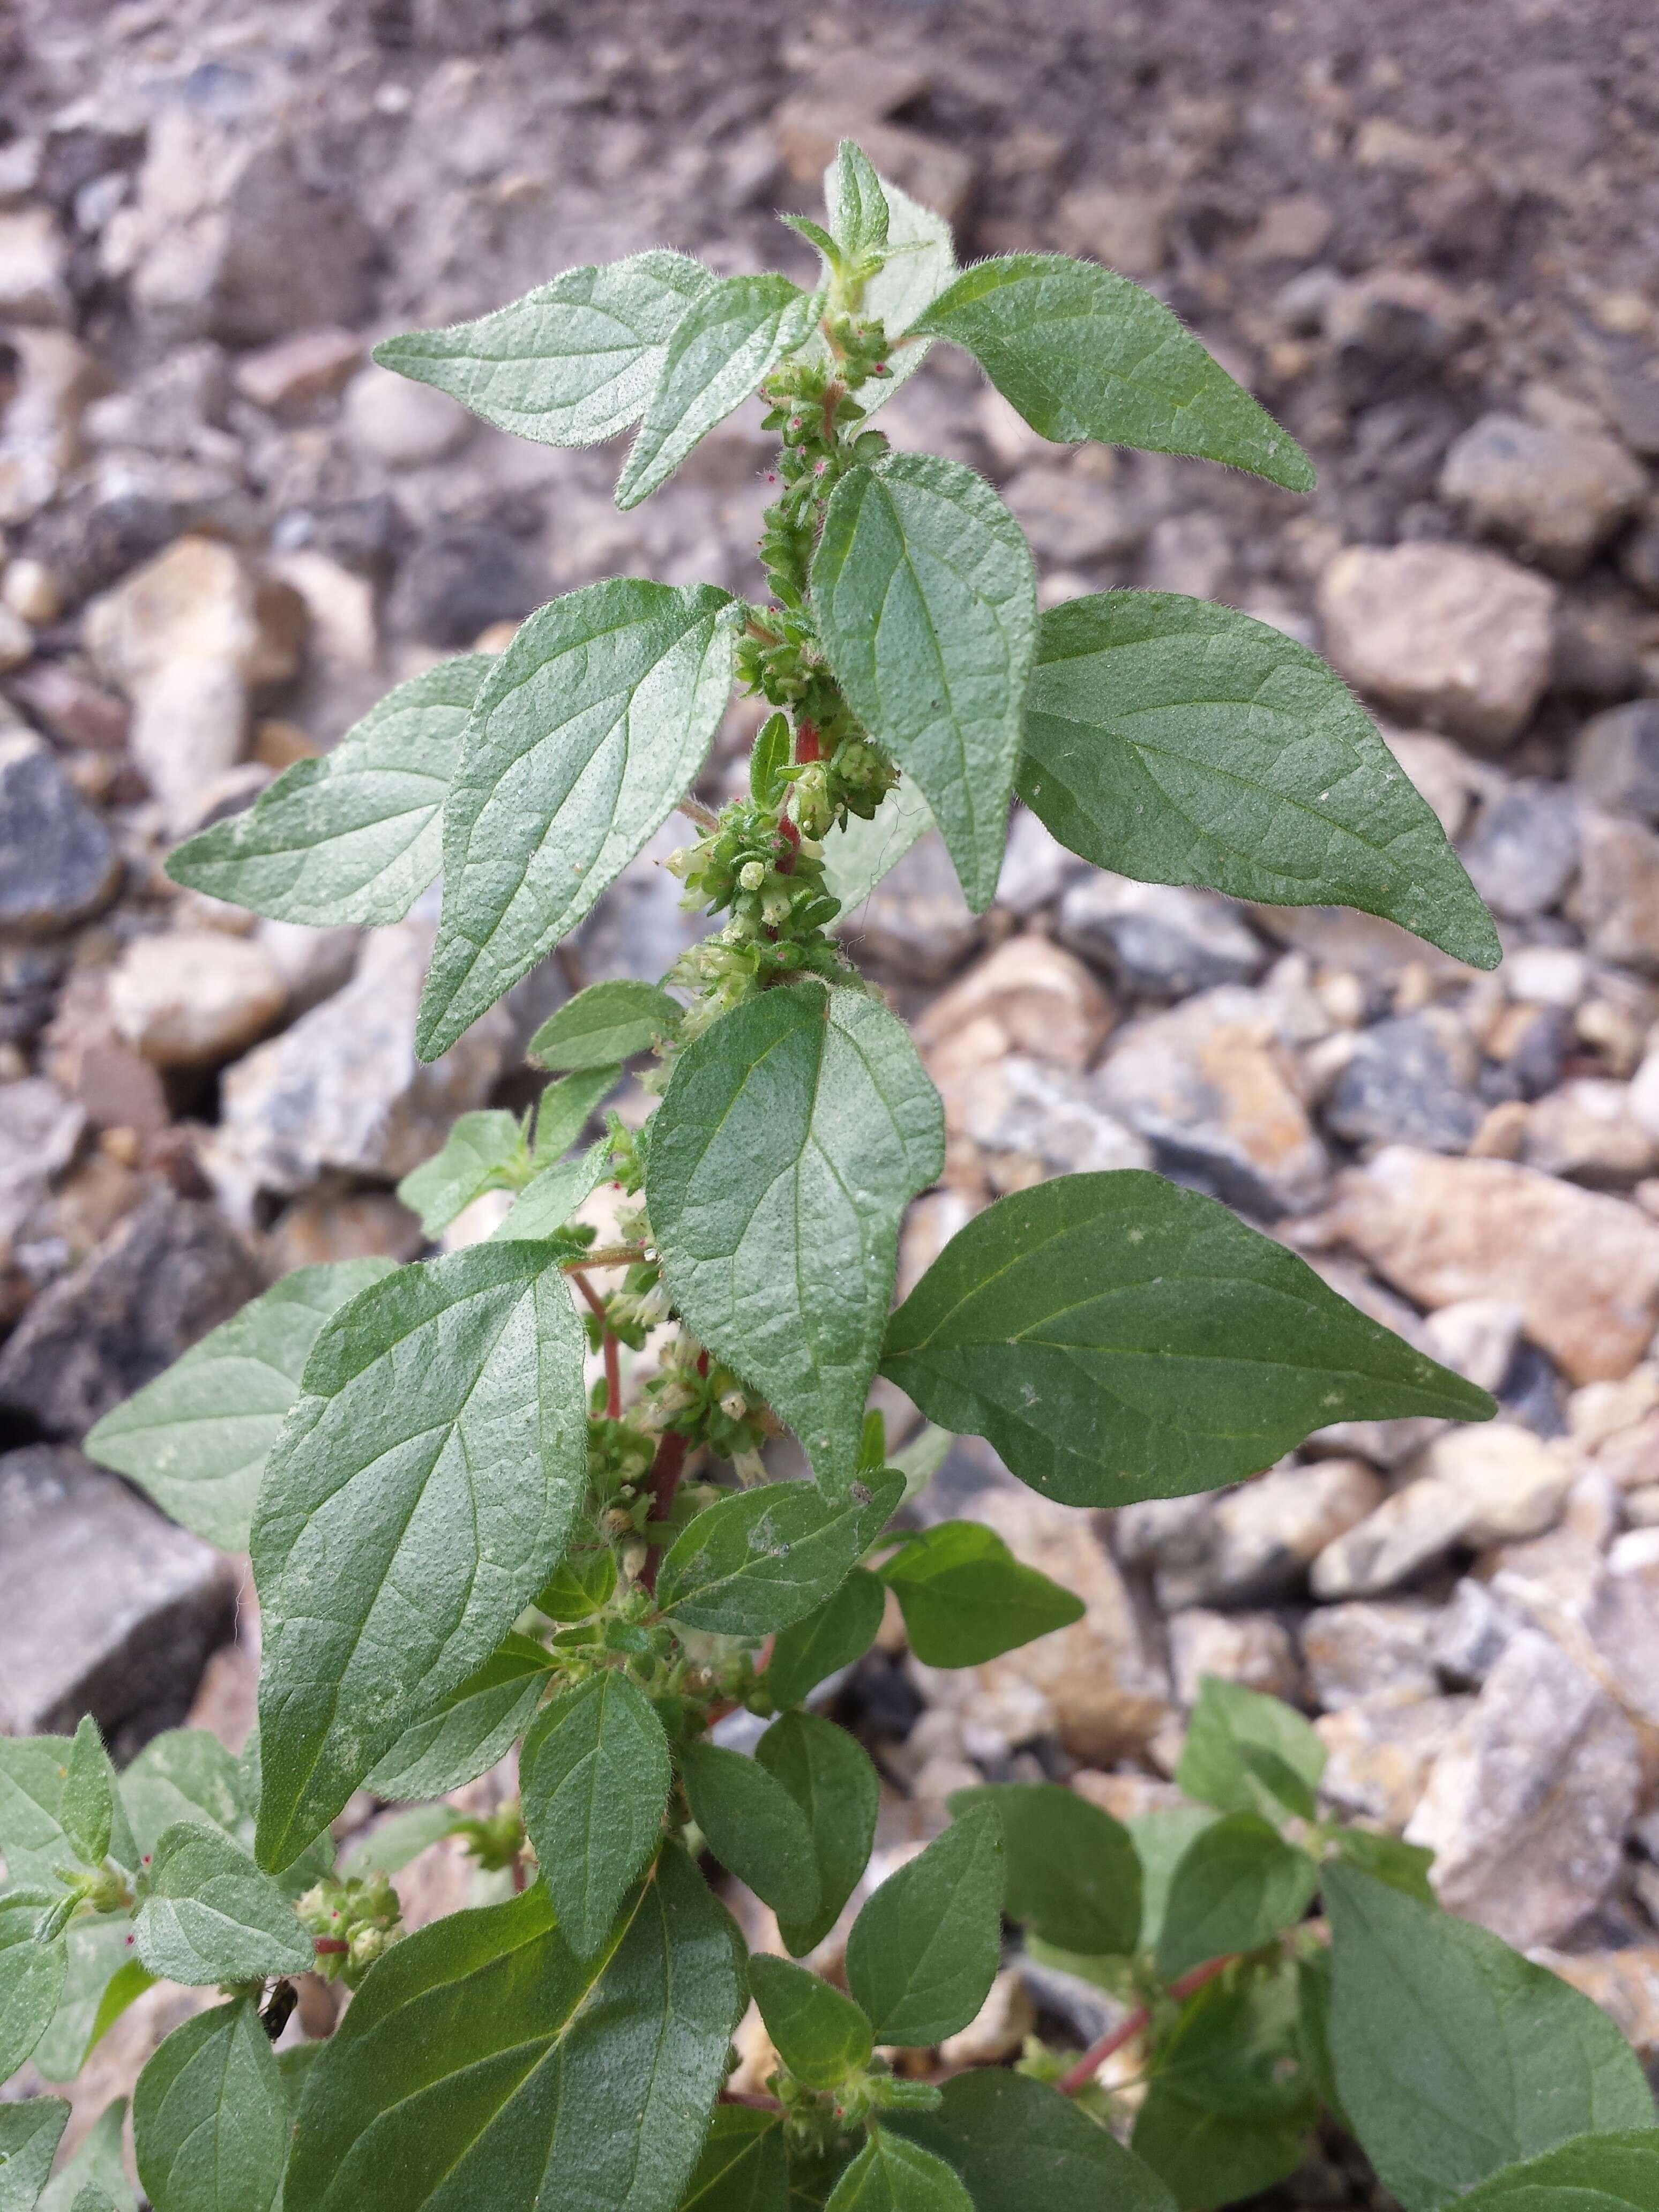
(1096, 2056)
(663, 1481)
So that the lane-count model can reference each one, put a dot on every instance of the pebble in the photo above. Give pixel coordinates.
(1042, 1114)
(1615, 759)
(1367, 1650)
(16, 640)
(1587, 1132)
(1470, 1630)
(1127, 230)
(1616, 900)
(289, 377)
(1525, 848)
(456, 583)
(1459, 638)
(32, 591)
(1254, 1649)
(1556, 495)
(195, 998)
(1070, 517)
(401, 423)
(1411, 1532)
(1554, 975)
(58, 862)
(33, 267)
(1256, 1542)
(1381, 1752)
(915, 922)
(39, 1129)
(1409, 1081)
(1035, 866)
(1164, 939)
(1039, 997)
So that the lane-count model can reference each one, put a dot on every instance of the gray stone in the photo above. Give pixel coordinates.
(1254, 1649)
(1615, 900)
(172, 1271)
(1379, 1753)
(1162, 939)
(1409, 1081)
(455, 584)
(1616, 760)
(916, 921)
(58, 862)
(1070, 516)
(1639, 556)
(1470, 1634)
(1367, 1650)
(1525, 848)
(1256, 1542)
(1046, 1113)
(1035, 866)
(39, 1129)
(1633, 396)
(106, 1607)
(1558, 495)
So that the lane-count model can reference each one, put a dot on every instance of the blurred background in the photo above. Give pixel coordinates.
(1428, 238)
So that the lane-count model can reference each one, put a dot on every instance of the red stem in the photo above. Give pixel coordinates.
(789, 845)
(753, 2098)
(807, 747)
(327, 1946)
(1097, 2053)
(663, 1481)
(608, 1344)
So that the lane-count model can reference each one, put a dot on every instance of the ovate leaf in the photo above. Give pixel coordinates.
(1237, 1887)
(543, 1209)
(892, 2174)
(594, 720)
(1083, 353)
(925, 598)
(1209, 2159)
(32, 1839)
(595, 1777)
(923, 1951)
(441, 1447)
(1072, 1874)
(197, 1439)
(1236, 1741)
(855, 200)
(1018, 2145)
(966, 1598)
(480, 1153)
(31, 1978)
(570, 363)
(761, 1558)
(832, 1636)
(791, 1138)
(1614, 2172)
(1116, 1338)
(830, 1777)
(604, 1024)
(565, 1108)
(95, 2173)
(1181, 742)
(754, 1826)
(743, 2166)
(821, 2036)
(471, 1729)
(1455, 2056)
(481, 2064)
(186, 1774)
(98, 1951)
(1160, 1837)
(398, 1841)
(209, 1914)
(355, 835)
(858, 854)
(734, 334)
(1403, 1866)
(29, 2135)
(209, 2116)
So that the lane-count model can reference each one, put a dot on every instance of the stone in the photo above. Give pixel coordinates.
(75, 711)
(33, 267)
(916, 922)
(1524, 851)
(173, 1270)
(195, 998)
(17, 641)
(1586, 1131)
(1554, 975)
(312, 963)
(1582, 1266)
(1254, 1649)
(1556, 495)
(998, 2031)
(1040, 997)
(1215, 1093)
(1412, 1532)
(41, 440)
(106, 1607)
(1370, 1649)
(1391, 330)
(1070, 517)
(1615, 759)
(1513, 1484)
(1165, 940)
(1455, 637)
(455, 584)
(332, 1224)
(289, 378)
(1638, 556)
(39, 1129)
(1616, 900)
(1190, 554)
(1470, 1632)
(176, 408)
(1409, 1081)
(1035, 866)
(1526, 1808)
(32, 591)
(1030, 1108)
(403, 425)
(1127, 230)
(58, 862)
(1379, 1753)
(1257, 1541)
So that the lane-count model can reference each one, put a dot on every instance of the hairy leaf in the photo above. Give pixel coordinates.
(479, 1154)
(1116, 1338)
(923, 1951)
(1614, 2172)
(858, 854)
(821, 2036)
(1209, 2159)
(209, 2116)
(1181, 742)
(1403, 1866)
(95, 2173)
(791, 1136)
(761, 1558)
(31, 1978)
(97, 1950)
(605, 1024)
(1237, 1887)
(590, 727)
(855, 200)
(754, 1826)
(565, 1108)
(743, 2166)
(595, 1778)
(579, 1586)
(966, 1598)
(29, 2135)
(892, 2174)
(472, 1730)
(89, 1804)
(186, 1774)
(1018, 2145)
(544, 1207)
(1073, 1877)
(398, 1841)
(830, 1777)
(209, 1914)
(1160, 1840)
(442, 1446)
(32, 1839)
(919, 263)
(1231, 1727)
(832, 1636)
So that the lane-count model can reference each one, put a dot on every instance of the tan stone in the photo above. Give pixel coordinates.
(1257, 1540)
(295, 373)
(194, 997)
(1380, 1750)
(1360, 1652)
(1511, 1483)
(1615, 900)
(199, 601)
(1251, 1647)
(1127, 230)
(1041, 998)
(1586, 1130)
(1409, 1533)
(998, 2030)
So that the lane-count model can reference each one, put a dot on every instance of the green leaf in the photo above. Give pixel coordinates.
(88, 1807)
(1117, 1338)
(398, 1841)
(858, 854)
(1403, 1866)
(209, 1914)
(761, 1558)
(1071, 1874)
(124, 1987)
(773, 751)
(1612, 2173)
(548, 1200)
(919, 263)
(855, 200)
(734, 334)
(1455, 2056)
(31, 1978)
(1019, 2146)
(471, 1729)
(480, 1153)
(32, 1839)
(966, 1598)
(197, 1439)
(606, 1024)
(1239, 1885)
(1160, 1840)
(743, 2166)
(441, 1447)
(355, 835)
(209, 2116)
(97, 1951)
(892, 2174)
(821, 2036)
(791, 1138)
(587, 732)
(95, 2170)
(565, 1108)
(29, 2135)
(924, 1951)
(754, 1826)
(579, 1586)
(830, 1776)
(925, 598)
(186, 1774)
(570, 363)
(1183, 743)
(832, 1636)
(1209, 2159)
(483, 2065)
(1083, 353)
(595, 1775)
(1229, 1723)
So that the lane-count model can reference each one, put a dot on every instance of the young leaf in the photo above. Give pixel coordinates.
(398, 1841)
(821, 2036)
(472, 1730)
(209, 2116)
(32, 1839)
(1117, 1338)
(743, 2166)
(1181, 742)
(1073, 1877)
(754, 1826)
(605, 1024)
(1082, 353)
(1455, 2056)
(31, 1978)
(209, 1914)
(29, 2135)
(355, 835)
(590, 727)
(828, 1774)
(735, 332)
(919, 265)
(186, 1775)
(855, 200)
(1237, 1887)
(442, 1446)
(96, 1948)
(479, 1154)
(923, 1951)
(578, 1586)
(565, 1108)
(966, 1598)
(595, 1777)
(761, 1558)
(1231, 1726)
(1018, 2145)
(892, 2174)
(570, 363)
(791, 1138)
(925, 598)
(124, 1987)
(88, 1807)
(832, 1636)
(197, 1439)
(1612, 2173)
(481, 2064)
(95, 2173)
(1161, 1839)
(858, 854)
(773, 751)
(545, 1205)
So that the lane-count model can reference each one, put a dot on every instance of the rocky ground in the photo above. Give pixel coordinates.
(1427, 238)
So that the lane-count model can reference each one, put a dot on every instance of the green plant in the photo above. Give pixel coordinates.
(460, 1543)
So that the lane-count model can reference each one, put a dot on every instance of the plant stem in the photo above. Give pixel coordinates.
(695, 811)
(1096, 2056)
(605, 1256)
(663, 1481)
(608, 1344)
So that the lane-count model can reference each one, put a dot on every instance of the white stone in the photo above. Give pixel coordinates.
(403, 424)
(194, 997)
